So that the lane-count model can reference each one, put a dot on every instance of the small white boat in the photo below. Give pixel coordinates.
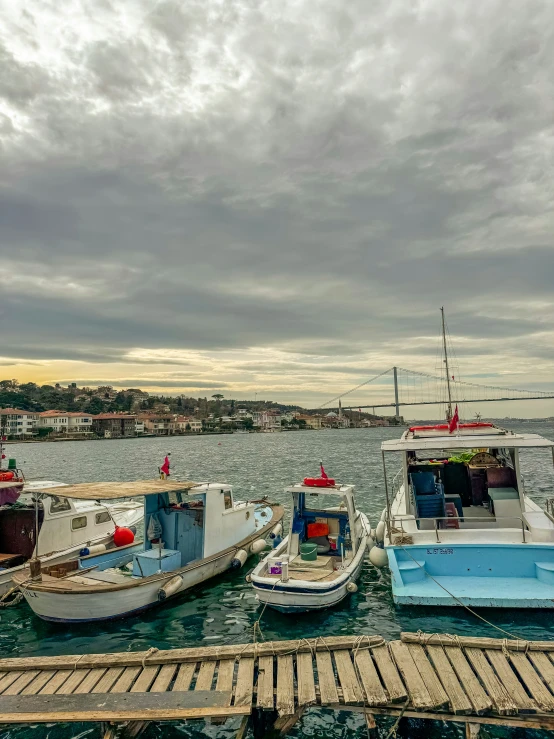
(65, 527)
(286, 580)
(203, 534)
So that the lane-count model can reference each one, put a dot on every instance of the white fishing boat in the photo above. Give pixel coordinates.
(65, 527)
(318, 563)
(200, 533)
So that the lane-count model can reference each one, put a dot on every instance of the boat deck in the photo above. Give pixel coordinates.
(317, 570)
(438, 676)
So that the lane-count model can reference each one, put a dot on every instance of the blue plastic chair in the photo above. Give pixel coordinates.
(423, 483)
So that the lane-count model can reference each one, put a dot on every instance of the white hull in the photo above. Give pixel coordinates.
(79, 607)
(295, 596)
(123, 514)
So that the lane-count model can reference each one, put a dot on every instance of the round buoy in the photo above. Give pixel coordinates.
(352, 587)
(123, 536)
(380, 532)
(378, 557)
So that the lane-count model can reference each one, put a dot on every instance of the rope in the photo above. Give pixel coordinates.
(149, 653)
(394, 727)
(474, 613)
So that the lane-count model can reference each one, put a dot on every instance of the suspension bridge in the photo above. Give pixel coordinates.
(404, 387)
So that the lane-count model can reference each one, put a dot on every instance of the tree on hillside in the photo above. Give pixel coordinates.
(94, 406)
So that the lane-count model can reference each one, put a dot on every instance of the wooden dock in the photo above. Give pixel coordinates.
(439, 677)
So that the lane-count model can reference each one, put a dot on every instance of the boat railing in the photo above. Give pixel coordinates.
(549, 506)
(395, 530)
(396, 484)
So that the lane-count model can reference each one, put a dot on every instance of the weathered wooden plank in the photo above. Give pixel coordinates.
(21, 682)
(427, 672)
(73, 681)
(471, 685)
(104, 685)
(194, 654)
(126, 679)
(92, 679)
(225, 675)
(389, 675)
(145, 679)
(419, 695)
(459, 702)
(285, 723)
(7, 678)
(305, 679)
(351, 690)
(38, 683)
(534, 684)
(53, 685)
(245, 682)
(285, 685)
(116, 707)
(374, 692)
(544, 666)
(504, 704)
(510, 681)
(164, 678)
(205, 676)
(326, 678)
(265, 697)
(184, 676)
(478, 642)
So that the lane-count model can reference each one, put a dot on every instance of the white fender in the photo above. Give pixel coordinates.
(380, 532)
(370, 543)
(378, 557)
(171, 587)
(96, 548)
(383, 515)
(352, 587)
(240, 558)
(276, 530)
(258, 546)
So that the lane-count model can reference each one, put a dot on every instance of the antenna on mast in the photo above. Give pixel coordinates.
(449, 409)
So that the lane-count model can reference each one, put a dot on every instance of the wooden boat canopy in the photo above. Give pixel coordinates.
(115, 490)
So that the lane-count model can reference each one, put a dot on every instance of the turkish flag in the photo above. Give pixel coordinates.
(165, 467)
(324, 475)
(454, 422)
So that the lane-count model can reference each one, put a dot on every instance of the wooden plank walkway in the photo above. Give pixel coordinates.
(472, 680)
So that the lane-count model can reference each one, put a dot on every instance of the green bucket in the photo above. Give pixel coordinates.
(308, 552)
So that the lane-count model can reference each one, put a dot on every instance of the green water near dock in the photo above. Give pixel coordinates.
(224, 610)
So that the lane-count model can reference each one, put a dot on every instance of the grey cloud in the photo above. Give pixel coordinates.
(317, 180)
(152, 382)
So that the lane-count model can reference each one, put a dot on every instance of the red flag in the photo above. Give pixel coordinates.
(165, 467)
(324, 475)
(454, 422)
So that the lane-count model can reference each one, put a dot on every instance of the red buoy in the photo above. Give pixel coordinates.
(123, 536)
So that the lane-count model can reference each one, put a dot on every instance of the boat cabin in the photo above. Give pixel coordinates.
(468, 479)
(333, 528)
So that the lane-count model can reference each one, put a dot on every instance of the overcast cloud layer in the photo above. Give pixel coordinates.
(276, 197)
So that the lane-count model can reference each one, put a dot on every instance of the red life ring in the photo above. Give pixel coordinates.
(319, 482)
(4, 476)
(444, 426)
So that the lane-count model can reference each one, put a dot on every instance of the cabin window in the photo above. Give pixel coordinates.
(103, 517)
(78, 523)
(227, 499)
(57, 505)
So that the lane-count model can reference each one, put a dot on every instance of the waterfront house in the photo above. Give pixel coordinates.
(15, 422)
(58, 421)
(114, 425)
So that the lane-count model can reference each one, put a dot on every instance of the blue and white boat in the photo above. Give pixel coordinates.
(459, 526)
(290, 582)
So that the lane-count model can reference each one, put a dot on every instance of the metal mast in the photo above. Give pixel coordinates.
(449, 409)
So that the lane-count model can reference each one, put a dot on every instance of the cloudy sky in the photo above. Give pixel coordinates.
(276, 197)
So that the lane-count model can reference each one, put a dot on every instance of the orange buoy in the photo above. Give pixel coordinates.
(123, 536)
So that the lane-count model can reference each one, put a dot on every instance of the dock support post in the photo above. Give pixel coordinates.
(396, 403)
(472, 730)
(371, 726)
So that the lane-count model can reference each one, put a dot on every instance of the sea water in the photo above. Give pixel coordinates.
(224, 609)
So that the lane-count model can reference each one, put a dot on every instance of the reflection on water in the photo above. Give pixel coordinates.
(224, 610)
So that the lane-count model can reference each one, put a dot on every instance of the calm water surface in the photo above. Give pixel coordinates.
(224, 610)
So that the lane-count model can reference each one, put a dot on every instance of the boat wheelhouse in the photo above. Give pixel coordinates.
(460, 526)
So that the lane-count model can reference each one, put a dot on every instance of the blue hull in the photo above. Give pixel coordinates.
(482, 575)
